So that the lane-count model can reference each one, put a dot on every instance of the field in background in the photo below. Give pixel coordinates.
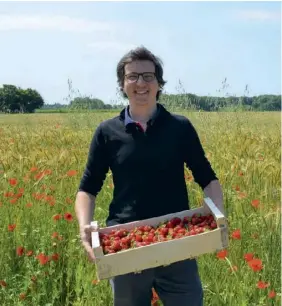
(42, 157)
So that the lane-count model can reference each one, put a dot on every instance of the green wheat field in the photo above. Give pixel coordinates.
(42, 158)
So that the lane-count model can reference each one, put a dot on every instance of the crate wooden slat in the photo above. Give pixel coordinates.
(160, 253)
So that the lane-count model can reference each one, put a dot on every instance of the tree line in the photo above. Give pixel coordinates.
(17, 100)
(207, 103)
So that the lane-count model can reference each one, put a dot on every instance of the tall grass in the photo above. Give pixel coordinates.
(39, 152)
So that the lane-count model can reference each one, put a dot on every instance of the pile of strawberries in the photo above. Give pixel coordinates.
(119, 240)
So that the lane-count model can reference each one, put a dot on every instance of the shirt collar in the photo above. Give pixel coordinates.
(128, 119)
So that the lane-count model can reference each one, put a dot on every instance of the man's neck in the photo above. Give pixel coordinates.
(142, 114)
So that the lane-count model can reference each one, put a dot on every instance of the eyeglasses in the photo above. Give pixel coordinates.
(134, 77)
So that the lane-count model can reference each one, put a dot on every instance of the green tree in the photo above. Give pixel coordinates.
(87, 103)
(15, 99)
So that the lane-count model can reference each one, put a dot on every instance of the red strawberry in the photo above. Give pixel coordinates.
(175, 221)
(213, 225)
(116, 246)
(138, 238)
(164, 231)
(170, 224)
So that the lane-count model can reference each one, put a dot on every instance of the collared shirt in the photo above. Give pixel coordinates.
(128, 119)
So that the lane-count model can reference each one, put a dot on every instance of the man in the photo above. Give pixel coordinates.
(146, 147)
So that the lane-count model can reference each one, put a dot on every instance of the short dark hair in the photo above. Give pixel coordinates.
(139, 54)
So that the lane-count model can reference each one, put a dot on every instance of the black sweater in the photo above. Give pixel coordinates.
(147, 168)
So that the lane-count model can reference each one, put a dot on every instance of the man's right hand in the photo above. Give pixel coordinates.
(85, 236)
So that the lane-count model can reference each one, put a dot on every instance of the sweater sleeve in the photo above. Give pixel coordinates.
(96, 166)
(195, 157)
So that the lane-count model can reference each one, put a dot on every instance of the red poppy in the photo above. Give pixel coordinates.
(39, 175)
(57, 217)
(68, 217)
(255, 264)
(20, 250)
(11, 227)
(13, 181)
(13, 201)
(271, 294)
(55, 235)
(262, 285)
(249, 256)
(255, 203)
(222, 254)
(236, 234)
(71, 173)
(8, 194)
(43, 259)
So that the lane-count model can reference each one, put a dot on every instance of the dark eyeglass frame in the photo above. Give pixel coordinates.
(138, 75)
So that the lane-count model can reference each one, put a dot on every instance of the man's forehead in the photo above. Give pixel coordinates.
(140, 66)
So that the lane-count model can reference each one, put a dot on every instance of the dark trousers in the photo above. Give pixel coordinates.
(178, 284)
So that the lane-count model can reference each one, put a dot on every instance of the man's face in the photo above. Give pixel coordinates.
(140, 91)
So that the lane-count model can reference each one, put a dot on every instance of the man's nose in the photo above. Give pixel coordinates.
(140, 80)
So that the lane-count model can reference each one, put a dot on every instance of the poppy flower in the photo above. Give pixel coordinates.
(68, 217)
(11, 227)
(255, 264)
(222, 254)
(236, 234)
(262, 285)
(71, 173)
(271, 294)
(13, 181)
(13, 201)
(20, 251)
(43, 259)
(57, 217)
(248, 256)
(55, 235)
(255, 203)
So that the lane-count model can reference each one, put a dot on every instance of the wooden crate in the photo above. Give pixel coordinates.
(160, 253)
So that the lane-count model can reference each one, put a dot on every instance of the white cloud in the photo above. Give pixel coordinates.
(259, 15)
(51, 22)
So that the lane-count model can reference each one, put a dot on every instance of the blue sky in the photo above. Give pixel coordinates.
(201, 43)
